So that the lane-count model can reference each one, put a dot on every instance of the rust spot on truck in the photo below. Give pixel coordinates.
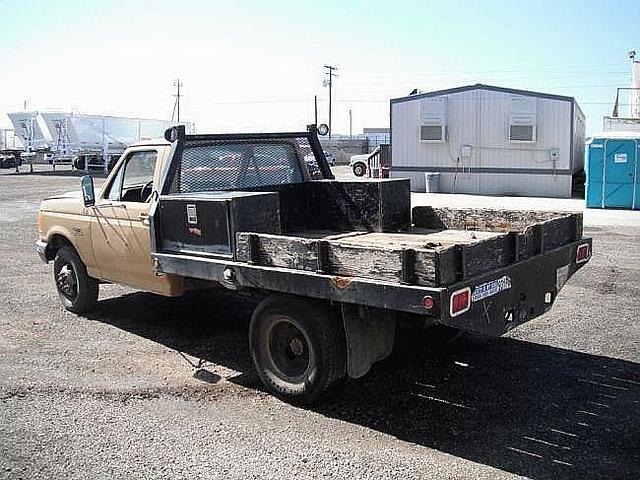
(341, 282)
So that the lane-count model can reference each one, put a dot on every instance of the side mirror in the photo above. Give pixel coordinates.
(88, 191)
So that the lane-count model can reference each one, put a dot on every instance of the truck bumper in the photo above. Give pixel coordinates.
(499, 300)
(506, 298)
(41, 248)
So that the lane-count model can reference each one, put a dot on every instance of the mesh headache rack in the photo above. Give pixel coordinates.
(224, 162)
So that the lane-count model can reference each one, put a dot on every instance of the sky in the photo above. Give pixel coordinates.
(256, 65)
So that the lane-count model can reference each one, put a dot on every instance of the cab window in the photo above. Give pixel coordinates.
(134, 180)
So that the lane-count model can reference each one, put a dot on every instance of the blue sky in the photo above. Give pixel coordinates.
(256, 65)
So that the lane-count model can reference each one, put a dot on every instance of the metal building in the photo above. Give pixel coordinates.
(481, 139)
(613, 170)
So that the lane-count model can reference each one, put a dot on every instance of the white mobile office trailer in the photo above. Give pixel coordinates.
(488, 140)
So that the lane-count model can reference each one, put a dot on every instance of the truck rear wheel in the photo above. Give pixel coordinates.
(78, 292)
(298, 348)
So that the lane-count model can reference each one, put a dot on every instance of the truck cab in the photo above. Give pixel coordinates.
(111, 237)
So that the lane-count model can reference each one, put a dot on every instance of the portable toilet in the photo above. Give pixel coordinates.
(612, 168)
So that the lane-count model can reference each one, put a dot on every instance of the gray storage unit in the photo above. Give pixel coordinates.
(488, 140)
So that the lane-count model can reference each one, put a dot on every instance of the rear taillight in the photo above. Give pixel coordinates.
(582, 253)
(460, 301)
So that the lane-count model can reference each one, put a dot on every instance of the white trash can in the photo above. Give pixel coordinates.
(431, 182)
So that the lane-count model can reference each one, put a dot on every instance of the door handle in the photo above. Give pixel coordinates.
(112, 205)
(144, 218)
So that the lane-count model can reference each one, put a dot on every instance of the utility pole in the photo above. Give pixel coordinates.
(315, 110)
(350, 124)
(176, 105)
(329, 82)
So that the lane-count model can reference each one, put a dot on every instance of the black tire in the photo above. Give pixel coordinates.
(359, 169)
(78, 292)
(79, 163)
(298, 348)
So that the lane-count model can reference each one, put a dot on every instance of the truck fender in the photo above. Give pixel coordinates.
(370, 335)
(64, 235)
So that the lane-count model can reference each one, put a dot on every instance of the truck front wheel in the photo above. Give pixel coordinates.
(298, 348)
(78, 292)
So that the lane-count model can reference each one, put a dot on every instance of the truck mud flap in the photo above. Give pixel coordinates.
(370, 335)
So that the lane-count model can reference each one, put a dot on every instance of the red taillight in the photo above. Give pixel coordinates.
(460, 301)
(582, 253)
(427, 302)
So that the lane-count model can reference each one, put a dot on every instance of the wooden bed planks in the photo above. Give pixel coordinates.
(420, 238)
(485, 219)
(531, 232)
(279, 251)
(369, 262)
(343, 259)
(437, 257)
(368, 259)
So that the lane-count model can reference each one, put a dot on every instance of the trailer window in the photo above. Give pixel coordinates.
(521, 133)
(236, 166)
(432, 133)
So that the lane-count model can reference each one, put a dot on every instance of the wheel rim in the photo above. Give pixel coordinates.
(359, 170)
(67, 281)
(289, 351)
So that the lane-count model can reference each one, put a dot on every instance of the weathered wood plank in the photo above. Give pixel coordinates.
(490, 220)
(368, 262)
(421, 238)
(488, 254)
(280, 251)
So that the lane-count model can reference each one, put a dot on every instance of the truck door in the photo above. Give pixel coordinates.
(120, 232)
(619, 173)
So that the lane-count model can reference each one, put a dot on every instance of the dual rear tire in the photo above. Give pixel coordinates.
(298, 348)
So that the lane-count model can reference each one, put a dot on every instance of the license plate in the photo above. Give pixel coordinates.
(491, 288)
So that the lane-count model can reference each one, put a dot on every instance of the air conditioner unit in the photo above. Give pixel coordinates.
(433, 119)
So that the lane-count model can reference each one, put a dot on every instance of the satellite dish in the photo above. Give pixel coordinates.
(323, 129)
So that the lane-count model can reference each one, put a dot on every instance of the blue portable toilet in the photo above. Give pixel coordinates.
(612, 168)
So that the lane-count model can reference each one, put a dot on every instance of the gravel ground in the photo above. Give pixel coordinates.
(148, 387)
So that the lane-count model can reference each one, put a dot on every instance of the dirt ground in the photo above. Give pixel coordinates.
(148, 387)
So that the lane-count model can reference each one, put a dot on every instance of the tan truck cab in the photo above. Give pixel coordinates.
(108, 241)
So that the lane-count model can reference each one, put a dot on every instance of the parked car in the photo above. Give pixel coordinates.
(10, 160)
(358, 164)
